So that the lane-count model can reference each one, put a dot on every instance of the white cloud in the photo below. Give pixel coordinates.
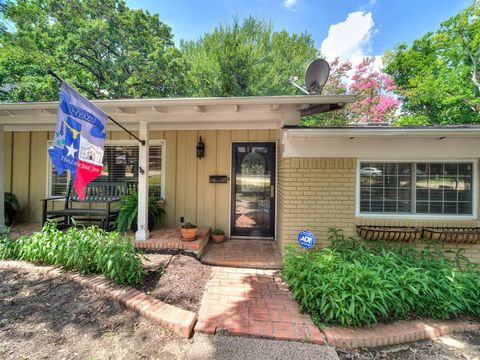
(289, 3)
(350, 39)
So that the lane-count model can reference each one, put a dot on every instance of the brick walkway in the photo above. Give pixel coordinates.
(260, 254)
(253, 302)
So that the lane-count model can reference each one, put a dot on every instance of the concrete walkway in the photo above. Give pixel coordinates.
(240, 348)
(239, 301)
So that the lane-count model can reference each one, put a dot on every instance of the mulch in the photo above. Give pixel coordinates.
(179, 280)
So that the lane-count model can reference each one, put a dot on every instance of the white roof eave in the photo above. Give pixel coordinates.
(211, 101)
(381, 133)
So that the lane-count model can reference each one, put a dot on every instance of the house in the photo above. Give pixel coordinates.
(261, 176)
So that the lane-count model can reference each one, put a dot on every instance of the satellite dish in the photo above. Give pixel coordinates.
(316, 75)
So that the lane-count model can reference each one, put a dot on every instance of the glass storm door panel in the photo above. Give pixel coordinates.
(253, 189)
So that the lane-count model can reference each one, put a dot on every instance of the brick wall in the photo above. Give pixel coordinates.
(319, 193)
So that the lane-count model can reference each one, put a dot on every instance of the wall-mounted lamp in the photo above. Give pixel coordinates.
(200, 149)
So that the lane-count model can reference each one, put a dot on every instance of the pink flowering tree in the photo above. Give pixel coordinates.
(376, 101)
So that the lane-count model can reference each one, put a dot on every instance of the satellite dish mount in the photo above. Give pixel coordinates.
(316, 75)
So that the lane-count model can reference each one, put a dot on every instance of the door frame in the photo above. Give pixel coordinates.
(273, 210)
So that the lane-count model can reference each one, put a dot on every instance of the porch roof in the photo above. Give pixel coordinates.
(251, 112)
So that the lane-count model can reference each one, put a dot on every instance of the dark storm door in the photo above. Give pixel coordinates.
(253, 189)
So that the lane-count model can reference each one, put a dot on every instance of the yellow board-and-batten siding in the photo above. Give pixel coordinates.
(188, 193)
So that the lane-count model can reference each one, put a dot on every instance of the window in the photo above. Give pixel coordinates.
(120, 163)
(423, 188)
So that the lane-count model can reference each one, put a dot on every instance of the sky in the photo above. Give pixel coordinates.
(346, 28)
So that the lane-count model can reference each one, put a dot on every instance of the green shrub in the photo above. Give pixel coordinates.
(352, 283)
(88, 250)
(128, 214)
(8, 248)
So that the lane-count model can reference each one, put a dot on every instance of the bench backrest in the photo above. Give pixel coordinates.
(99, 191)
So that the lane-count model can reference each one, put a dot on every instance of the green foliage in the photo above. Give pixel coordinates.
(352, 284)
(129, 211)
(103, 48)
(189, 226)
(412, 120)
(244, 59)
(11, 206)
(218, 231)
(437, 75)
(88, 250)
(8, 247)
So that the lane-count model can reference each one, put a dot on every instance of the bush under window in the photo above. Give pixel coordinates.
(352, 283)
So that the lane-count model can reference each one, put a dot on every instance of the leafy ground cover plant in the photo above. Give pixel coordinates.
(87, 249)
(353, 283)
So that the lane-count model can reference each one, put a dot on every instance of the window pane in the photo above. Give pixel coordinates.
(440, 187)
(385, 187)
(120, 163)
(58, 186)
(422, 207)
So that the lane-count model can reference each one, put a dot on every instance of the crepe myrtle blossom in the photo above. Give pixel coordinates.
(376, 101)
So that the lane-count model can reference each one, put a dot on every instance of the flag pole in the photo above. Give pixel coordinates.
(50, 72)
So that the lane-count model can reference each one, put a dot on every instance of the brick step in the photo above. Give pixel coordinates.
(169, 238)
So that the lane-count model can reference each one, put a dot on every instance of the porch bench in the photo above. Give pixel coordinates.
(97, 192)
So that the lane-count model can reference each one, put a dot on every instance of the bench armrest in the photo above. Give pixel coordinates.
(54, 198)
(113, 200)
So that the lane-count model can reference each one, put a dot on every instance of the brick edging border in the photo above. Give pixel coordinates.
(178, 320)
(398, 332)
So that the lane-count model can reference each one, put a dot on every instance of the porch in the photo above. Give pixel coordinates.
(251, 253)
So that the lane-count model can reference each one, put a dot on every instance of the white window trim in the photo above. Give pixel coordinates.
(113, 142)
(404, 216)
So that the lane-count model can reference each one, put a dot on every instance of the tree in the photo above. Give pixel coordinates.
(438, 75)
(245, 59)
(375, 102)
(102, 47)
(374, 89)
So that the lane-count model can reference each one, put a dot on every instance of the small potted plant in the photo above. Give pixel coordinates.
(188, 231)
(218, 235)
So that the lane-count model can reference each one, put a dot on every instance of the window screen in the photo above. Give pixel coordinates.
(416, 188)
(120, 163)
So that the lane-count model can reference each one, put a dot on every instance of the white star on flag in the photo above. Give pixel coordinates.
(71, 150)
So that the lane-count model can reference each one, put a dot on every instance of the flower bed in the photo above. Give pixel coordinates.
(88, 250)
(352, 284)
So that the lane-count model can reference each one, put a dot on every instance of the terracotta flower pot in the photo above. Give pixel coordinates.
(218, 238)
(189, 234)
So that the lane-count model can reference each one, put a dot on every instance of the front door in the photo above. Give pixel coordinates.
(253, 189)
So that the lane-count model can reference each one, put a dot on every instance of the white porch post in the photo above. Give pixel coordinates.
(2, 186)
(142, 221)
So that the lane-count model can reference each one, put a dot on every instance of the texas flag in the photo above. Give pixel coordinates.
(79, 138)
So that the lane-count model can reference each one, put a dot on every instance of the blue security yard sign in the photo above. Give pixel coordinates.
(306, 239)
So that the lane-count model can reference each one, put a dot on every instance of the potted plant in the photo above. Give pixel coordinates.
(127, 217)
(11, 206)
(188, 231)
(218, 235)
